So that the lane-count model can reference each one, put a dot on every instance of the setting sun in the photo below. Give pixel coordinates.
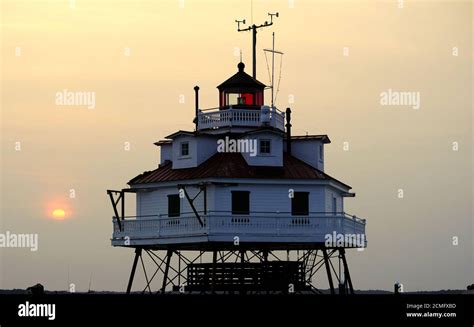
(59, 214)
(57, 208)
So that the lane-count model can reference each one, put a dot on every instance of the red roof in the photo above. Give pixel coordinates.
(233, 165)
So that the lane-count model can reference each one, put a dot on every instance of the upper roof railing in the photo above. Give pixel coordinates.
(234, 116)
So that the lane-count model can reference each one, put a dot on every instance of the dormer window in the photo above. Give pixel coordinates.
(184, 149)
(265, 147)
(321, 152)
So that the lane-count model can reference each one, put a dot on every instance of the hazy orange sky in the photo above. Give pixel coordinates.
(49, 46)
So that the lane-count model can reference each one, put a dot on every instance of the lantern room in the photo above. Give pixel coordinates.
(241, 91)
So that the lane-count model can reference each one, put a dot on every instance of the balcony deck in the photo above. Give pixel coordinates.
(238, 117)
(255, 229)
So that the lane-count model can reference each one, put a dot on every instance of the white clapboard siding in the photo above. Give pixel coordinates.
(263, 198)
(332, 194)
(274, 159)
(200, 149)
(308, 151)
(165, 152)
(156, 202)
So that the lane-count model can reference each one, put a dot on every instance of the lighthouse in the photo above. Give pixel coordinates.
(238, 203)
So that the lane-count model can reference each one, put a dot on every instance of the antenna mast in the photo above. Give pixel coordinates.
(273, 51)
(273, 66)
(254, 28)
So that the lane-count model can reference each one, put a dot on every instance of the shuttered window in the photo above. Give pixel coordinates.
(300, 204)
(240, 202)
(174, 209)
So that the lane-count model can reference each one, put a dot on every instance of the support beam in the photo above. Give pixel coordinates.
(205, 199)
(122, 196)
(241, 277)
(214, 261)
(167, 267)
(328, 271)
(179, 268)
(114, 205)
(347, 276)
(265, 255)
(138, 253)
(191, 204)
(148, 281)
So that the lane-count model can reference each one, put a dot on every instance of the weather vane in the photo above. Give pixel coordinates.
(254, 28)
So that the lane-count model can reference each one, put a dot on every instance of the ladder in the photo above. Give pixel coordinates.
(309, 267)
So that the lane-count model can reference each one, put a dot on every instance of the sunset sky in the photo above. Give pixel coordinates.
(142, 57)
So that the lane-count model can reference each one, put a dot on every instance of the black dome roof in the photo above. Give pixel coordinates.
(241, 79)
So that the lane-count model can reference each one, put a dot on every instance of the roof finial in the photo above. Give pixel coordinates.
(241, 66)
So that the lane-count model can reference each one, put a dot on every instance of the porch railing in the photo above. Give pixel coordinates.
(255, 224)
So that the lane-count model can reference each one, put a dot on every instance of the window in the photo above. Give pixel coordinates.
(240, 98)
(240, 202)
(300, 204)
(185, 149)
(321, 152)
(174, 209)
(232, 98)
(265, 147)
(247, 98)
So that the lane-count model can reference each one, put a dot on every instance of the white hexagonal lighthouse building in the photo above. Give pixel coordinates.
(239, 204)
